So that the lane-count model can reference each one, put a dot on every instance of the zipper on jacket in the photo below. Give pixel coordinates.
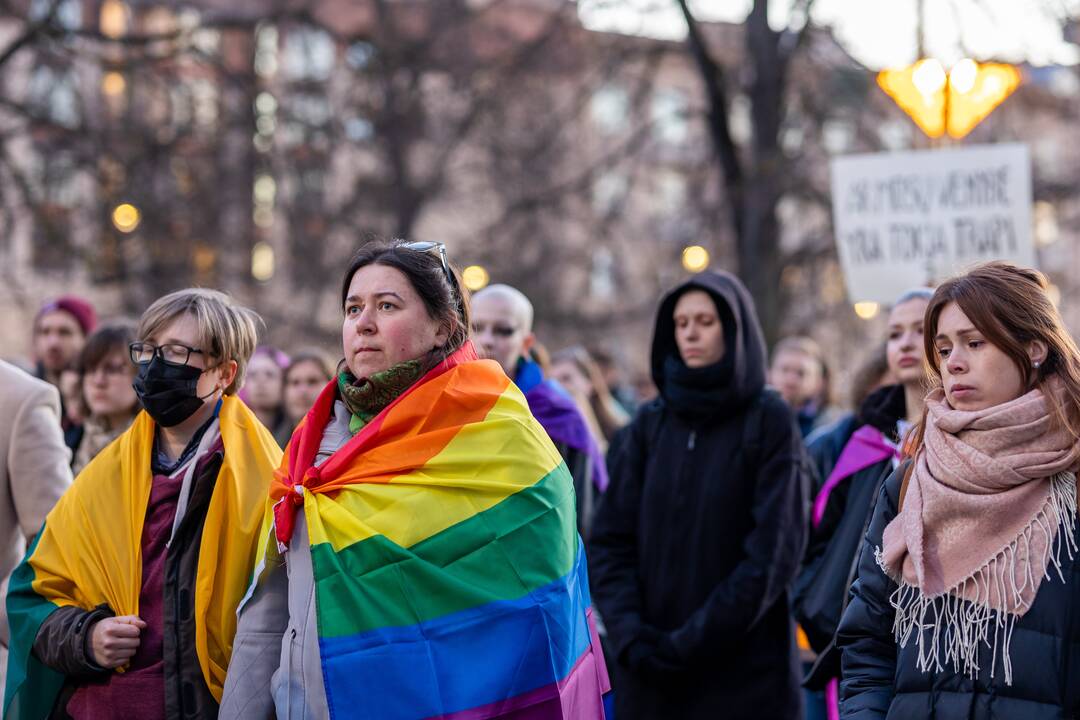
(172, 561)
(692, 440)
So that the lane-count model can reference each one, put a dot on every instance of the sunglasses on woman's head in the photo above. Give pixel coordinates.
(423, 246)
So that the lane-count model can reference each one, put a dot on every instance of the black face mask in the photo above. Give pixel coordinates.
(168, 393)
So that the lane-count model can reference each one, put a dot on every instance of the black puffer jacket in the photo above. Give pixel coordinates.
(829, 566)
(882, 680)
(698, 537)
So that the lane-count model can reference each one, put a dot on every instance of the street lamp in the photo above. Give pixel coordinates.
(952, 102)
(126, 217)
(867, 310)
(695, 258)
(262, 261)
(475, 277)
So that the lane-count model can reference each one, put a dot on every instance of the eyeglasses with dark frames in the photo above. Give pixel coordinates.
(171, 353)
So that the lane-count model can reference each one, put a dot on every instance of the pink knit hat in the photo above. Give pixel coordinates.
(80, 309)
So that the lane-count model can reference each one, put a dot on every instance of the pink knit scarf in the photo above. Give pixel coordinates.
(979, 527)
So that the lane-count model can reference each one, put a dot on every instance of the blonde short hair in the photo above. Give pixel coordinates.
(228, 331)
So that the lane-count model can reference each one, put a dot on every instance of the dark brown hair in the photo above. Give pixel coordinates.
(446, 302)
(108, 338)
(1009, 305)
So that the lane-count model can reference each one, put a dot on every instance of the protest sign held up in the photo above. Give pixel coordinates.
(906, 219)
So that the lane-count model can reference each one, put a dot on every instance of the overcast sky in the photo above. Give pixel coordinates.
(880, 33)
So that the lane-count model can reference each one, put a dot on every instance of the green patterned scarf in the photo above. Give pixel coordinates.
(367, 397)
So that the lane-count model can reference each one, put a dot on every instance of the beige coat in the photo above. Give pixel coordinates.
(34, 472)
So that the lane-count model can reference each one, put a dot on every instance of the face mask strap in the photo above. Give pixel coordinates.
(206, 370)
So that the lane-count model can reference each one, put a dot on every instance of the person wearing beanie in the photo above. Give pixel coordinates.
(60, 330)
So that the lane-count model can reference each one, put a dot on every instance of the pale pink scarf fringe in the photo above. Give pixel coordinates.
(1001, 478)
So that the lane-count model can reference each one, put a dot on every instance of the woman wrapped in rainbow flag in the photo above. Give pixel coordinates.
(424, 560)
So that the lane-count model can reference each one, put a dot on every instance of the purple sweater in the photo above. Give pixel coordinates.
(139, 691)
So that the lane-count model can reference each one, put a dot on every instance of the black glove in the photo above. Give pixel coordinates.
(665, 659)
(651, 652)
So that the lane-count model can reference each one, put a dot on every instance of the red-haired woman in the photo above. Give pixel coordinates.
(967, 603)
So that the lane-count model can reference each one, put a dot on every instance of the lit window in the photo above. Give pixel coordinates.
(669, 115)
(837, 135)
(359, 54)
(204, 95)
(359, 129)
(311, 109)
(57, 177)
(602, 275)
(895, 135)
(308, 54)
(609, 108)
(609, 190)
(740, 121)
(68, 12)
(52, 95)
(671, 187)
(180, 105)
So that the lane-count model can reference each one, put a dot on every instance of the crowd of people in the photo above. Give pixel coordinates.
(440, 518)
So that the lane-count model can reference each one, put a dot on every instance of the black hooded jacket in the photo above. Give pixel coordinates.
(821, 590)
(700, 533)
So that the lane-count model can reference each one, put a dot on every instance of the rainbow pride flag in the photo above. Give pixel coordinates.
(450, 581)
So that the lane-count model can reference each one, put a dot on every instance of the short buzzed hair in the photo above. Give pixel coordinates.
(521, 303)
(228, 330)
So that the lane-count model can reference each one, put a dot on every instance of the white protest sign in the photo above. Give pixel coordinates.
(911, 218)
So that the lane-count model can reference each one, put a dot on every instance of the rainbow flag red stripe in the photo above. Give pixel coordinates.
(450, 581)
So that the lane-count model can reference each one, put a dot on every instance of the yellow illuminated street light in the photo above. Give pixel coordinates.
(126, 217)
(114, 19)
(952, 102)
(113, 84)
(867, 310)
(262, 261)
(695, 258)
(475, 277)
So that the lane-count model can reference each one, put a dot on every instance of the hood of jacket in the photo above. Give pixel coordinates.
(883, 408)
(742, 371)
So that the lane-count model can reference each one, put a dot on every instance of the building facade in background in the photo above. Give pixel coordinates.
(252, 146)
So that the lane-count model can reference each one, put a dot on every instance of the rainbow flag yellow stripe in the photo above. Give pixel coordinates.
(449, 577)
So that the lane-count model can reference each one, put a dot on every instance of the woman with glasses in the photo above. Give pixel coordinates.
(424, 560)
(126, 604)
(107, 397)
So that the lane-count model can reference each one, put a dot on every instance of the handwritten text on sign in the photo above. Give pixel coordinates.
(907, 219)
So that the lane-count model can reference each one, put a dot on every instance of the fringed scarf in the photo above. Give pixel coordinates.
(989, 509)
